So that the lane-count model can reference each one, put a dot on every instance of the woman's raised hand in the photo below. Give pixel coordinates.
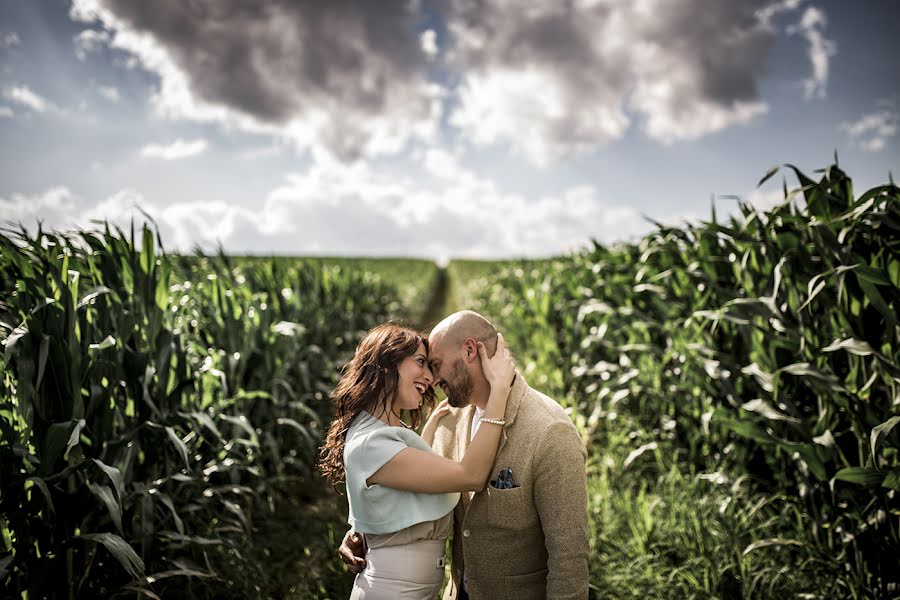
(499, 369)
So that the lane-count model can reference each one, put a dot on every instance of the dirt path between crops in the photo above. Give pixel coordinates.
(436, 305)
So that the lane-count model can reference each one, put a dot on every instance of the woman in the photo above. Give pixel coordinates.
(401, 494)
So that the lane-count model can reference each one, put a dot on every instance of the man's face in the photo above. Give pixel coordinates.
(450, 372)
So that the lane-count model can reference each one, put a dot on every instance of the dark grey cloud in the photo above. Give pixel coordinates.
(346, 74)
(276, 59)
(670, 63)
(549, 78)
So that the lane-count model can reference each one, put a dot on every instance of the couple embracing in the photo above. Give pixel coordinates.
(499, 468)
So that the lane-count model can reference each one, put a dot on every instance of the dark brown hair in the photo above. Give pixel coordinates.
(370, 379)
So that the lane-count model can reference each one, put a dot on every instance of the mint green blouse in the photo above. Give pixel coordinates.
(370, 443)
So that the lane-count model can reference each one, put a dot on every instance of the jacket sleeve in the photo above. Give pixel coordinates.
(560, 497)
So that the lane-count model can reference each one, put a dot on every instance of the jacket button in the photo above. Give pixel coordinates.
(466, 533)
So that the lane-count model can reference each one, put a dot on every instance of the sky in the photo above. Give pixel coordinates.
(433, 128)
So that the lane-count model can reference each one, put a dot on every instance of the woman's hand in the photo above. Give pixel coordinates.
(499, 369)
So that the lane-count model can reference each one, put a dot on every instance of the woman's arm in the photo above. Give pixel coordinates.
(420, 471)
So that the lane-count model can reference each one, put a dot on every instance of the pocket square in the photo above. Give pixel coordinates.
(504, 480)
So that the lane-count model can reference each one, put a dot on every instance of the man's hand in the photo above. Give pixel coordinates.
(352, 551)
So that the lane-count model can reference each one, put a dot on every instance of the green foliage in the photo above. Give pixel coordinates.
(156, 411)
(767, 346)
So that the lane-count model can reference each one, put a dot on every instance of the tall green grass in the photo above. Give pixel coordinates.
(157, 412)
(764, 348)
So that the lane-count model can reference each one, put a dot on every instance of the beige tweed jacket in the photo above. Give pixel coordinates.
(529, 542)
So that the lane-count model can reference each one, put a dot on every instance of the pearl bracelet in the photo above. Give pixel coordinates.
(494, 421)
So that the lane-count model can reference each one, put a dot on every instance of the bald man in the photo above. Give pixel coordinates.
(526, 534)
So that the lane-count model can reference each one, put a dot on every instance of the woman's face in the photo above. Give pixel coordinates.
(414, 380)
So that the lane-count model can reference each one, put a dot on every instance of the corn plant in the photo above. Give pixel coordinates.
(152, 412)
(766, 345)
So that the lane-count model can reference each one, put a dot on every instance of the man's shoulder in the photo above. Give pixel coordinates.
(541, 410)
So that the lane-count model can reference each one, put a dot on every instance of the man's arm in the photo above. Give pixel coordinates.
(560, 497)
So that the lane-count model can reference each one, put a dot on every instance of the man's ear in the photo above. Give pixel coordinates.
(471, 348)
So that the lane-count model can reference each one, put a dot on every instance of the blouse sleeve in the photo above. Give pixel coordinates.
(379, 447)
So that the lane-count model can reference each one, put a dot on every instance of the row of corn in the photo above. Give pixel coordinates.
(153, 406)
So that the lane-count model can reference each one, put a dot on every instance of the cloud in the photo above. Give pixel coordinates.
(871, 131)
(428, 40)
(357, 79)
(10, 40)
(88, 41)
(448, 212)
(53, 206)
(362, 209)
(821, 49)
(24, 96)
(6, 112)
(176, 150)
(109, 92)
(347, 77)
(555, 79)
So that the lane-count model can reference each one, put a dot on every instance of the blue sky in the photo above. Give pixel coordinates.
(438, 128)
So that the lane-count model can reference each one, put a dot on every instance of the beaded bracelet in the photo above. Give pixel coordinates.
(494, 421)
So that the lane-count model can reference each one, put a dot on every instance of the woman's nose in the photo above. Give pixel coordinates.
(429, 377)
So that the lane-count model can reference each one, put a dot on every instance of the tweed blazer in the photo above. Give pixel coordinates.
(531, 541)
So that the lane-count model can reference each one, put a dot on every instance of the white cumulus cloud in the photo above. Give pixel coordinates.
(872, 131)
(109, 92)
(25, 96)
(10, 39)
(176, 150)
(555, 79)
(821, 49)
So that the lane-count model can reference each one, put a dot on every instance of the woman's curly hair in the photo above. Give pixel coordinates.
(369, 380)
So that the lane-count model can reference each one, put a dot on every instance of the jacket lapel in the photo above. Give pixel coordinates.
(516, 393)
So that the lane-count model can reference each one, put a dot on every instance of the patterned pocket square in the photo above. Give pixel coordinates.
(504, 480)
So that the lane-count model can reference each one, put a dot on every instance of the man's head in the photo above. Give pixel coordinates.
(453, 354)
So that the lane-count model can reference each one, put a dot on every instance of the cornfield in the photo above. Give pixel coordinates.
(736, 384)
(153, 406)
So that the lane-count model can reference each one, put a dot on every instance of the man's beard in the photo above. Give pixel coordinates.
(459, 385)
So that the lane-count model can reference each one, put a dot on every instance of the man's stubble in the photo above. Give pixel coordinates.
(459, 385)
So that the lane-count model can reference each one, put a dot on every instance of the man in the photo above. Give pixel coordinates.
(526, 534)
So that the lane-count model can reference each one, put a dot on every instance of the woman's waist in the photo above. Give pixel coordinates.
(421, 561)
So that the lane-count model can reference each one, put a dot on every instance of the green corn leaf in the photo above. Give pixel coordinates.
(180, 446)
(121, 550)
(115, 476)
(42, 359)
(880, 432)
(761, 407)
(852, 345)
(877, 300)
(816, 285)
(815, 464)
(892, 480)
(42, 485)
(770, 542)
(105, 495)
(179, 525)
(5, 562)
(861, 476)
(92, 295)
(769, 174)
(74, 438)
(872, 275)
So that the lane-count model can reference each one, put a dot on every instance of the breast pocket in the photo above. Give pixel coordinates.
(510, 509)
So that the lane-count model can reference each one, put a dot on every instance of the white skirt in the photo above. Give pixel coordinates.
(412, 571)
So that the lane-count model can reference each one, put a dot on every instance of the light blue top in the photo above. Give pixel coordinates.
(370, 443)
